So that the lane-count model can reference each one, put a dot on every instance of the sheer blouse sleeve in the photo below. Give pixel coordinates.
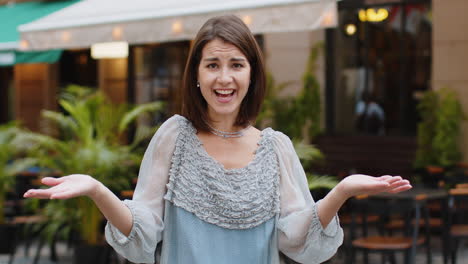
(147, 205)
(301, 236)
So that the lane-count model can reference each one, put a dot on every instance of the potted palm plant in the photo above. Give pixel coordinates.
(11, 163)
(438, 135)
(299, 117)
(92, 141)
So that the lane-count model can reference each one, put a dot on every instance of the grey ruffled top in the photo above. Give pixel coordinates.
(204, 213)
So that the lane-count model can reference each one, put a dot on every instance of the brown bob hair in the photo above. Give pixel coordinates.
(230, 29)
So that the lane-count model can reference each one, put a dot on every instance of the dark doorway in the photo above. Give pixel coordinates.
(6, 85)
(77, 67)
(380, 67)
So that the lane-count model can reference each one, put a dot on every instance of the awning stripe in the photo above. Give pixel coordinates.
(10, 58)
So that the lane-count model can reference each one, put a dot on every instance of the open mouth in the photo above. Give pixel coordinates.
(224, 95)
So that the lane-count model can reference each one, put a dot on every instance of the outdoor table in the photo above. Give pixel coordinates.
(415, 193)
(419, 196)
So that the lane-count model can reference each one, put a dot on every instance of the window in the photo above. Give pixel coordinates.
(380, 68)
(158, 72)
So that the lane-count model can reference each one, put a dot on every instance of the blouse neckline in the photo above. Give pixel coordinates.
(202, 151)
(237, 198)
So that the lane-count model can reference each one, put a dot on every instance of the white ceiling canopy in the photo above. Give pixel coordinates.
(149, 21)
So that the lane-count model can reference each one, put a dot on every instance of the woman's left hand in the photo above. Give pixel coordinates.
(359, 184)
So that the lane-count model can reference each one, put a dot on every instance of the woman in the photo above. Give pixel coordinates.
(213, 188)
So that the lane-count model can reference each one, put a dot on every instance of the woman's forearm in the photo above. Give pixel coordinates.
(329, 206)
(113, 209)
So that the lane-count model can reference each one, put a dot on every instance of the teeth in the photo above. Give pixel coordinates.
(225, 91)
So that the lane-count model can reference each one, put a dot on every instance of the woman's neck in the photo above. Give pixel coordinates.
(223, 122)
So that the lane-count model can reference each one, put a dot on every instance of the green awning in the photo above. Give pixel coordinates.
(10, 58)
(49, 56)
(13, 15)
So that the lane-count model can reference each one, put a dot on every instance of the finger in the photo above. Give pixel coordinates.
(50, 181)
(394, 179)
(37, 193)
(43, 193)
(400, 188)
(393, 185)
(376, 187)
(399, 183)
(380, 184)
(384, 177)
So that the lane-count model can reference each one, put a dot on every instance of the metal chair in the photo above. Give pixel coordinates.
(457, 222)
(389, 244)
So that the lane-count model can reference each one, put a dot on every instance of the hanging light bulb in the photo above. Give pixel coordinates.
(350, 29)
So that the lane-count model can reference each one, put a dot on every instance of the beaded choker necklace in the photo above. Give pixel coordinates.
(225, 134)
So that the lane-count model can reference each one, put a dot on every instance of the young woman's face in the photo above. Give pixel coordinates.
(224, 78)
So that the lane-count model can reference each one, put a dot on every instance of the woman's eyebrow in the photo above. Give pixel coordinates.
(217, 59)
(211, 59)
(238, 59)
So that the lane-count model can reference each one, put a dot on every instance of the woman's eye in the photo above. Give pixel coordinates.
(212, 66)
(237, 65)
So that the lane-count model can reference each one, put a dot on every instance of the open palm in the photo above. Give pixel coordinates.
(359, 184)
(65, 187)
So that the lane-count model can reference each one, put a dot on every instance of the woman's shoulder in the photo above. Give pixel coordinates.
(275, 134)
(174, 121)
(278, 138)
(174, 125)
(170, 126)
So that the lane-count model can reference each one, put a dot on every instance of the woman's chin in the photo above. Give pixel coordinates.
(225, 111)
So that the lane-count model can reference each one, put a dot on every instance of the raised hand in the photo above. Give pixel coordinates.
(358, 184)
(65, 187)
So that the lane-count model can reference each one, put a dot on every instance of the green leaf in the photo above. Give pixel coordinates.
(321, 181)
(307, 152)
(137, 111)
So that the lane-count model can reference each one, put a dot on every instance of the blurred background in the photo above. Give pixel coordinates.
(361, 86)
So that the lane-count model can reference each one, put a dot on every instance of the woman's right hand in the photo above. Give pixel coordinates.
(66, 187)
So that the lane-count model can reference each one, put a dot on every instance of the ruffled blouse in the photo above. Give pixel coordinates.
(204, 213)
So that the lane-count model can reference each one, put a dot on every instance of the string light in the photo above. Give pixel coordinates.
(117, 33)
(177, 27)
(24, 44)
(66, 36)
(372, 15)
(247, 20)
(328, 19)
(350, 29)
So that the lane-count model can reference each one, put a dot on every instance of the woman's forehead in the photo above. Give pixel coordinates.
(220, 48)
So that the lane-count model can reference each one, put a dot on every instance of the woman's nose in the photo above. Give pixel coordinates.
(225, 77)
